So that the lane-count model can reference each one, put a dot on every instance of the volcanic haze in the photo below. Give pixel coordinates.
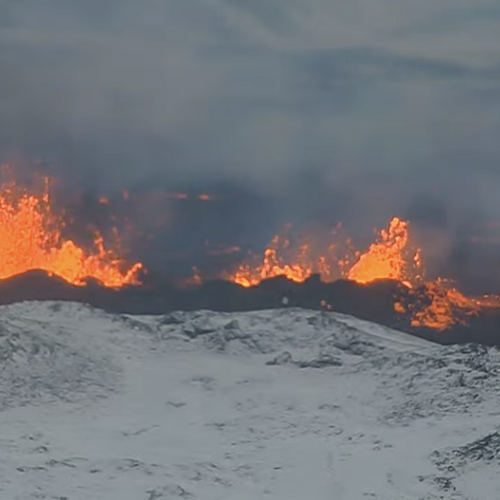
(354, 113)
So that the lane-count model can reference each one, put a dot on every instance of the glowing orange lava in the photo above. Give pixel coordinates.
(271, 267)
(296, 261)
(446, 307)
(30, 238)
(389, 258)
(435, 304)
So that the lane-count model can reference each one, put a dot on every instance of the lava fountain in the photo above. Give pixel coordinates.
(391, 256)
(434, 304)
(31, 238)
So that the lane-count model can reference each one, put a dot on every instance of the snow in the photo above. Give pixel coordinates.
(286, 404)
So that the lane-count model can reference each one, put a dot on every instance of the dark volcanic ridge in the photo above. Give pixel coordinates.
(372, 302)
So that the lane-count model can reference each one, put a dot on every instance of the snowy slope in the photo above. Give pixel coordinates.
(287, 404)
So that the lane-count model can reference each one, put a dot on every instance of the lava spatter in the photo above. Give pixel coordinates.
(31, 238)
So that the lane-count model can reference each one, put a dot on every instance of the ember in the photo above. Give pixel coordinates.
(30, 238)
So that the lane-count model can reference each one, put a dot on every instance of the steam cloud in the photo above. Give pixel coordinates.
(363, 109)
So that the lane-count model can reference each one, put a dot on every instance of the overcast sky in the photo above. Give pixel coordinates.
(389, 96)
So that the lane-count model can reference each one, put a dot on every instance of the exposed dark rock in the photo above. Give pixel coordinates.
(320, 362)
(372, 302)
(285, 358)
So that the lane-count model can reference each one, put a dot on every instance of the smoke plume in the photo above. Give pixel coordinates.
(334, 111)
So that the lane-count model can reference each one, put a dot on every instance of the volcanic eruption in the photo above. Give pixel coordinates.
(37, 234)
(438, 304)
(31, 237)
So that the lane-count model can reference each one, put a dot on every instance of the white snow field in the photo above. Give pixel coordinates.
(287, 404)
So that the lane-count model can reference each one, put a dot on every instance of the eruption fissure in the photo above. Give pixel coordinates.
(436, 304)
(31, 238)
(391, 256)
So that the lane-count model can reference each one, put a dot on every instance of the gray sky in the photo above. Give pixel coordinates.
(384, 97)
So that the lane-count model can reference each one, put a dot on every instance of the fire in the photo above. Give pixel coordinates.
(446, 307)
(30, 238)
(297, 261)
(271, 267)
(436, 305)
(388, 257)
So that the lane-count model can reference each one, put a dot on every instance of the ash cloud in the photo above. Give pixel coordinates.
(360, 109)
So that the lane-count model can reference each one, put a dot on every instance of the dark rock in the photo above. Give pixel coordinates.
(373, 302)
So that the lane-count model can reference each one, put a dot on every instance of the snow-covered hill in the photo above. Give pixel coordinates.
(286, 404)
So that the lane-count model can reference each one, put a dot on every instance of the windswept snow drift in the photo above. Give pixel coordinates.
(286, 404)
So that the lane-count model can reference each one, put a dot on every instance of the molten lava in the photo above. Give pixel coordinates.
(443, 307)
(30, 238)
(389, 258)
(297, 261)
(435, 304)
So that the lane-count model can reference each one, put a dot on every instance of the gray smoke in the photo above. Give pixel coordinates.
(358, 109)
